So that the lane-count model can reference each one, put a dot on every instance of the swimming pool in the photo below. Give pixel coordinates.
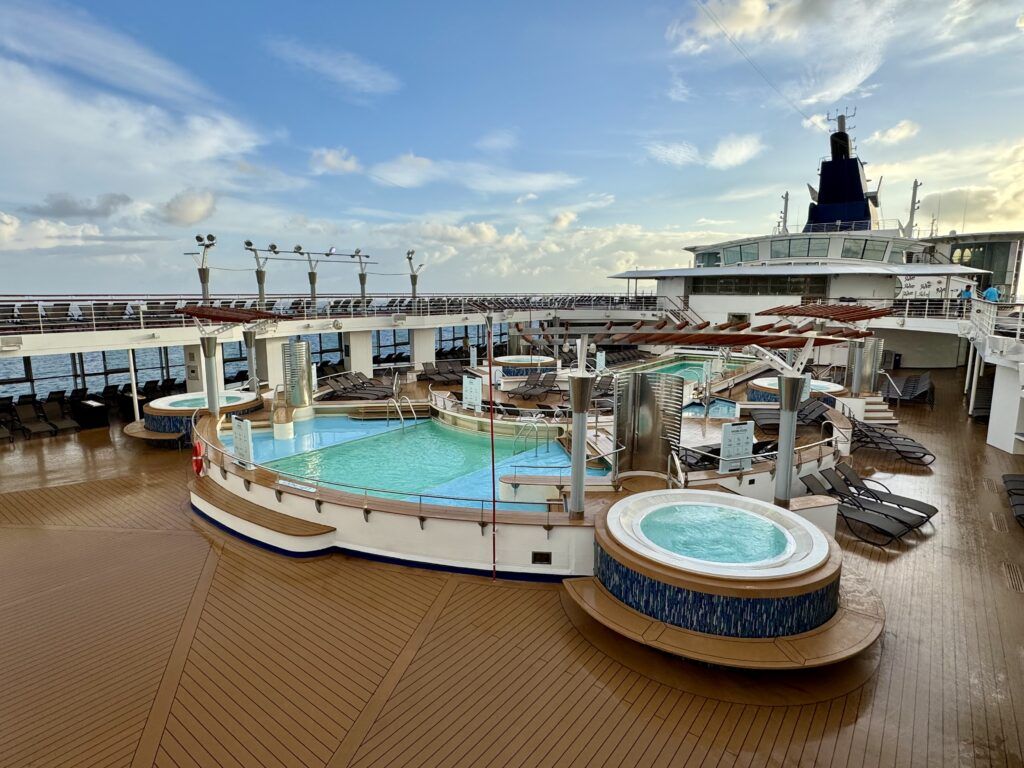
(690, 368)
(425, 457)
(720, 408)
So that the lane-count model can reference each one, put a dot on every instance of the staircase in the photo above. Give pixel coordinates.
(877, 411)
(678, 309)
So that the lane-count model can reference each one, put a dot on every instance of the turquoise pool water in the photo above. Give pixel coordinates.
(425, 458)
(690, 369)
(199, 401)
(714, 533)
(720, 408)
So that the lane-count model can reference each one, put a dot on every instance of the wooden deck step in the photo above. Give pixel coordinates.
(208, 490)
(137, 429)
(856, 625)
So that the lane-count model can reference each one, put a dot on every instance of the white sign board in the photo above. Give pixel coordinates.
(601, 359)
(241, 433)
(472, 357)
(472, 392)
(737, 440)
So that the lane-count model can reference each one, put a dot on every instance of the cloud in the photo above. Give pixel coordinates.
(903, 130)
(411, 171)
(16, 235)
(68, 38)
(735, 150)
(336, 161)
(678, 90)
(528, 197)
(501, 140)
(188, 207)
(703, 222)
(729, 152)
(563, 219)
(745, 193)
(677, 154)
(817, 121)
(351, 73)
(61, 205)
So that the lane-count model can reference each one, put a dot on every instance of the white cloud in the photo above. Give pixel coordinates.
(729, 152)
(41, 233)
(563, 219)
(68, 38)
(188, 207)
(337, 161)
(352, 73)
(903, 130)
(678, 90)
(528, 197)
(704, 222)
(498, 141)
(410, 170)
(735, 150)
(678, 154)
(817, 122)
(745, 193)
(61, 205)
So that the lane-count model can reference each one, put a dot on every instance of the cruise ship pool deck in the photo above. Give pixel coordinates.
(136, 633)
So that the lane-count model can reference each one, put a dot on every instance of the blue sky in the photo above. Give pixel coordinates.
(513, 146)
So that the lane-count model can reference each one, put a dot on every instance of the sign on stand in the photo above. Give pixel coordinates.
(241, 433)
(472, 392)
(601, 359)
(737, 441)
(472, 357)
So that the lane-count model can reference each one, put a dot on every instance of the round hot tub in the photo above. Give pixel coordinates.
(766, 389)
(173, 414)
(718, 563)
(521, 365)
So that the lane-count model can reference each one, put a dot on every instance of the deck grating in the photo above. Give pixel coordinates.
(130, 629)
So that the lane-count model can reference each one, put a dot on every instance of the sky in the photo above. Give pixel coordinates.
(514, 146)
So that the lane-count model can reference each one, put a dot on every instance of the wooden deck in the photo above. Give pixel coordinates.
(132, 633)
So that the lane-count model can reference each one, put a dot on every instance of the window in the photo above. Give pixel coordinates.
(814, 286)
(853, 249)
(874, 250)
(817, 247)
(800, 248)
(780, 249)
(732, 255)
(749, 252)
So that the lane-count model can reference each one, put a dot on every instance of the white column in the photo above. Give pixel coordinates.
(581, 385)
(135, 384)
(193, 367)
(1007, 413)
(979, 362)
(790, 389)
(971, 354)
(360, 350)
(422, 350)
(269, 362)
(212, 374)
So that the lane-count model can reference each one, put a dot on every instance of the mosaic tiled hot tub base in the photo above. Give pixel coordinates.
(716, 614)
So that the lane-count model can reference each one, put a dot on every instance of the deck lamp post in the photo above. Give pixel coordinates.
(414, 272)
(209, 344)
(249, 337)
(261, 273)
(581, 387)
(358, 254)
(204, 268)
(790, 390)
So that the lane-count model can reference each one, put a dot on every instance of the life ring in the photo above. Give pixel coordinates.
(197, 458)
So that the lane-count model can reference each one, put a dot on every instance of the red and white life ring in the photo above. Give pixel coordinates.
(197, 458)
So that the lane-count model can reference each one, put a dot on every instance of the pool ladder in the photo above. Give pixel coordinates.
(528, 428)
(398, 409)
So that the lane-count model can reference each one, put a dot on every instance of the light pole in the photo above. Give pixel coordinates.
(261, 272)
(414, 272)
(358, 254)
(204, 269)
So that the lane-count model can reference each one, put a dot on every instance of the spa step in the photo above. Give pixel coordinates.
(225, 501)
(855, 626)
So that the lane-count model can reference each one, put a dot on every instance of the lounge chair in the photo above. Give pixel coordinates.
(859, 485)
(53, 414)
(532, 380)
(884, 439)
(30, 422)
(854, 512)
(5, 433)
(838, 487)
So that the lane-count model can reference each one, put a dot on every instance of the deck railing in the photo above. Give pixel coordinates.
(997, 318)
(23, 314)
(917, 308)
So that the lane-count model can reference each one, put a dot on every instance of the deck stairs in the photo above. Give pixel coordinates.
(878, 412)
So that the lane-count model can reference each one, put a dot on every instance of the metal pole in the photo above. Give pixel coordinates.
(494, 477)
(413, 278)
(135, 385)
(312, 289)
(581, 386)
(261, 287)
(204, 281)
(790, 389)
(858, 368)
(970, 365)
(362, 289)
(249, 337)
(979, 361)
(209, 344)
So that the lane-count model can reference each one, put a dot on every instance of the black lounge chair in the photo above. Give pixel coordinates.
(910, 389)
(811, 412)
(531, 383)
(854, 512)
(859, 485)
(839, 488)
(5, 433)
(53, 414)
(30, 422)
(884, 439)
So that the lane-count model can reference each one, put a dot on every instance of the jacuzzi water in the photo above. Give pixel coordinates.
(720, 408)
(714, 533)
(199, 401)
(449, 466)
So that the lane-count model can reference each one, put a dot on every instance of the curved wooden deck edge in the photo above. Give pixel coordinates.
(856, 626)
(207, 490)
(137, 430)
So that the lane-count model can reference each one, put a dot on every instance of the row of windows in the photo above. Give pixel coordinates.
(796, 248)
(871, 250)
(800, 248)
(814, 286)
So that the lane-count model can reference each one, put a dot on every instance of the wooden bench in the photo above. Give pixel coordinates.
(224, 500)
(137, 430)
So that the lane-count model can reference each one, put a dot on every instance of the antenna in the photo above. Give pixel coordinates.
(915, 206)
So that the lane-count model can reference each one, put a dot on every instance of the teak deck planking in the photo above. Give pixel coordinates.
(132, 631)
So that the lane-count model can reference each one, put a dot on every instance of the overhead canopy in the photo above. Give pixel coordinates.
(229, 315)
(840, 313)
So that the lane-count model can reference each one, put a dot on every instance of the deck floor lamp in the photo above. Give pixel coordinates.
(261, 273)
(414, 272)
(204, 266)
(581, 387)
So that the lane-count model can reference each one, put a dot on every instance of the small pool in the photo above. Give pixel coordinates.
(719, 408)
(191, 401)
(771, 383)
(715, 533)
(524, 360)
(690, 368)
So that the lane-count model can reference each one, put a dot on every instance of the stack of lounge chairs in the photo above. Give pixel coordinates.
(706, 457)
(1014, 485)
(536, 385)
(873, 513)
(356, 386)
(622, 356)
(910, 389)
(40, 418)
(811, 412)
(442, 372)
(887, 439)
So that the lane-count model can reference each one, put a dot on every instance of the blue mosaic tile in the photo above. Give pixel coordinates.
(760, 396)
(716, 614)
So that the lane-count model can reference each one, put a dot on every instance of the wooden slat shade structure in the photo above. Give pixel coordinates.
(840, 313)
(230, 315)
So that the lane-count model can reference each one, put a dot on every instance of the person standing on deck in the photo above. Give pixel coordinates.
(991, 294)
(965, 296)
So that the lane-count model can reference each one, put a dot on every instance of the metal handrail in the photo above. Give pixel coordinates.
(517, 467)
(398, 410)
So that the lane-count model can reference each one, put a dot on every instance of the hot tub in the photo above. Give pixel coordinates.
(521, 365)
(173, 414)
(766, 389)
(718, 563)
